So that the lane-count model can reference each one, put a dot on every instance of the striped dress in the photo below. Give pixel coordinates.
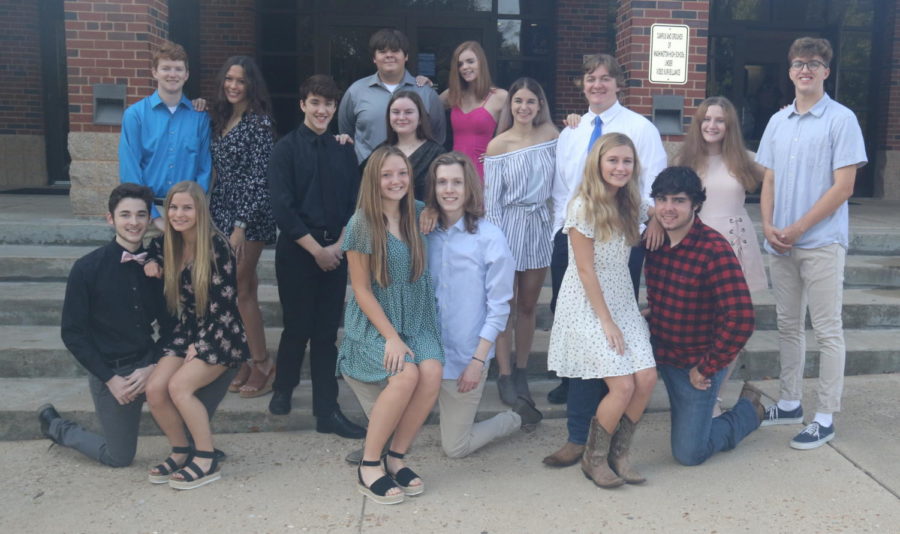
(517, 187)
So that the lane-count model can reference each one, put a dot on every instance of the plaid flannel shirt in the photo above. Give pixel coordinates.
(700, 308)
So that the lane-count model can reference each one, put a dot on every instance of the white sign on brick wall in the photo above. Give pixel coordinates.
(669, 53)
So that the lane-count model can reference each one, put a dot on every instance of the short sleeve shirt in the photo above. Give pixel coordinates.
(804, 150)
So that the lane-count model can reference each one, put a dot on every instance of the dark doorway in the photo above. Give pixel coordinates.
(298, 38)
(747, 62)
(55, 90)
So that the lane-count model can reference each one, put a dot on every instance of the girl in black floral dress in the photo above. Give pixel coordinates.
(199, 274)
(239, 202)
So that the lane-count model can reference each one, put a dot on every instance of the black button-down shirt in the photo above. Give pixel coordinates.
(299, 167)
(109, 310)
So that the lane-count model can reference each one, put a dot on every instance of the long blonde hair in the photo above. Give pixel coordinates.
(173, 251)
(370, 204)
(456, 86)
(694, 152)
(610, 212)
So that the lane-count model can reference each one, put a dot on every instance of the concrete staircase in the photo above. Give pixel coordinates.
(36, 253)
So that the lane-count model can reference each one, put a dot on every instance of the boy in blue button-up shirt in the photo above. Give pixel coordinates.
(164, 141)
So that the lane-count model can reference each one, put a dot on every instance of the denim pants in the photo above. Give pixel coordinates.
(585, 395)
(696, 435)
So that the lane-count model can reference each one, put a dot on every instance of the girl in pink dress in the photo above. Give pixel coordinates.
(715, 149)
(474, 103)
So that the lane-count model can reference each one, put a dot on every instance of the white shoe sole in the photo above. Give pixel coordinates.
(812, 445)
(185, 485)
(782, 421)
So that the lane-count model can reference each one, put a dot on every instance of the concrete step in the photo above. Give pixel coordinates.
(38, 352)
(37, 229)
(40, 303)
(49, 263)
(20, 398)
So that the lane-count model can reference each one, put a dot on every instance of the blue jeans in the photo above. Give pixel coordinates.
(584, 397)
(696, 435)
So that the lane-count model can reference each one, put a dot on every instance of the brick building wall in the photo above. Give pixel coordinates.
(227, 28)
(21, 110)
(22, 153)
(582, 27)
(107, 41)
(110, 42)
(634, 18)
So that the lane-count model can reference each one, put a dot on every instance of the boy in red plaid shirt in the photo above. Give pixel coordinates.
(700, 317)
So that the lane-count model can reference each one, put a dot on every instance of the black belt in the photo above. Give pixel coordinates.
(129, 359)
(324, 237)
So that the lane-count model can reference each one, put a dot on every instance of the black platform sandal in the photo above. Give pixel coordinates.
(165, 469)
(379, 489)
(194, 477)
(404, 476)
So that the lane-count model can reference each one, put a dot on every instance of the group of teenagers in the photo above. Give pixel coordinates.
(446, 254)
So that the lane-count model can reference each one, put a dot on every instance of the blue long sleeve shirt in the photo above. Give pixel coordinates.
(473, 283)
(159, 148)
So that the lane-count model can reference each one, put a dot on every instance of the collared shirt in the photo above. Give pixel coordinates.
(296, 183)
(700, 309)
(159, 148)
(364, 108)
(473, 283)
(804, 150)
(572, 151)
(109, 310)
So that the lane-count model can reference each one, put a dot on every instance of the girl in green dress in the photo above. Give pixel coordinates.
(391, 333)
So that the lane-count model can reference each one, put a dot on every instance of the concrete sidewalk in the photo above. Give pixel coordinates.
(298, 482)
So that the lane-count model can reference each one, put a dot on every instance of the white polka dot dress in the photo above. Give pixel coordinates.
(578, 345)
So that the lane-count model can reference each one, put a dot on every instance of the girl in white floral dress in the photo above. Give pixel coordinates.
(598, 331)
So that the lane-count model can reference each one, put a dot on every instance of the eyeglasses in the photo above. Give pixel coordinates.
(813, 65)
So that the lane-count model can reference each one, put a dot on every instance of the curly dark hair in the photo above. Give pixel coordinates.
(674, 180)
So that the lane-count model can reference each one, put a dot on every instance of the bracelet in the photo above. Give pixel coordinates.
(240, 224)
(479, 360)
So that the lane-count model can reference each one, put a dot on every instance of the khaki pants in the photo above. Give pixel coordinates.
(812, 278)
(460, 434)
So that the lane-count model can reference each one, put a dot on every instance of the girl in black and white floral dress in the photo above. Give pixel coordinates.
(239, 201)
(198, 270)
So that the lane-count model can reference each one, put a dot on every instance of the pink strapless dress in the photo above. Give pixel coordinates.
(472, 132)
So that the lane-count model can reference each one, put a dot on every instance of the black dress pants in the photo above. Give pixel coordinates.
(311, 302)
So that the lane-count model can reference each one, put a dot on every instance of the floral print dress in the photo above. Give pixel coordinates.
(218, 335)
(241, 190)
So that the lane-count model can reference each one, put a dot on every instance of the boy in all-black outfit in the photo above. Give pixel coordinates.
(313, 181)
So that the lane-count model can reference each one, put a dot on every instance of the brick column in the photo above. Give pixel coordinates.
(110, 42)
(633, 22)
(22, 155)
(583, 28)
(887, 156)
(227, 28)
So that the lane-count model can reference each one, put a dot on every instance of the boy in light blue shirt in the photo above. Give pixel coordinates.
(811, 151)
(164, 141)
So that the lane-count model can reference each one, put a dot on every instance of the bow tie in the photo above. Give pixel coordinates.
(139, 258)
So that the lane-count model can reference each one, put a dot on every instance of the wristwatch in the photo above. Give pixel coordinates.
(240, 224)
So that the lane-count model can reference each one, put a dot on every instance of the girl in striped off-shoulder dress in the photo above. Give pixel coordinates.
(518, 178)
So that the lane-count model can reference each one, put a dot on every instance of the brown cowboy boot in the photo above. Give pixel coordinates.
(594, 461)
(618, 452)
(567, 455)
